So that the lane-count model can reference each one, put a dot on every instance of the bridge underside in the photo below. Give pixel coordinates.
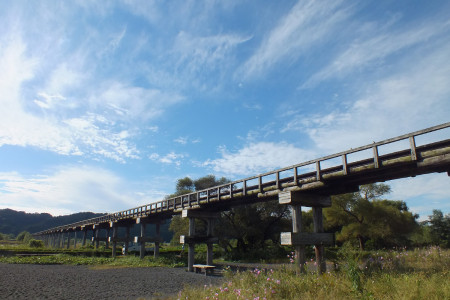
(312, 188)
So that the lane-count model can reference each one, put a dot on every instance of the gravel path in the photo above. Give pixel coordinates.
(81, 282)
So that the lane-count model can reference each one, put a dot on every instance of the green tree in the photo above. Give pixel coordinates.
(24, 237)
(363, 216)
(439, 228)
(180, 226)
(246, 231)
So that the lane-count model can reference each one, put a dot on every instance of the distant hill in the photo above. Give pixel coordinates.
(14, 222)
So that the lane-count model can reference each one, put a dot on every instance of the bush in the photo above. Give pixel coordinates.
(36, 243)
(24, 237)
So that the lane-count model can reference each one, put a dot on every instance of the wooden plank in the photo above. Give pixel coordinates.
(193, 213)
(304, 199)
(185, 239)
(306, 238)
(412, 143)
(318, 174)
(344, 164)
(376, 158)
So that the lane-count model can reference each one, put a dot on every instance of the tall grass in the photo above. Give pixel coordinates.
(418, 274)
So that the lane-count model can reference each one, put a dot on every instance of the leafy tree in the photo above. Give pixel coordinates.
(363, 216)
(24, 237)
(243, 230)
(253, 227)
(180, 226)
(440, 228)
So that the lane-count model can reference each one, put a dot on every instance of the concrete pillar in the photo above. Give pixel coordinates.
(142, 250)
(319, 249)
(68, 239)
(97, 235)
(75, 240)
(107, 239)
(158, 235)
(114, 238)
(61, 240)
(93, 237)
(191, 251)
(209, 233)
(83, 242)
(297, 227)
(127, 238)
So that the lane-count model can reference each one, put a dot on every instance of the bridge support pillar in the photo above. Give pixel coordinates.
(61, 240)
(319, 248)
(96, 238)
(158, 236)
(142, 250)
(142, 239)
(191, 251)
(107, 239)
(299, 239)
(68, 240)
(75, 240)
(127, 238)
(114, 238)
(300, 258)
(83, 242)
(193, 237)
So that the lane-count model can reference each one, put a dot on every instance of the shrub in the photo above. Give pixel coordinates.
(36, 243)
(24, 237)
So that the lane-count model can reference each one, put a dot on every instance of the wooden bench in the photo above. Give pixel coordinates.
(206, 268)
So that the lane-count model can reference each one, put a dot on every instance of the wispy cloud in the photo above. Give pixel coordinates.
(307, 24)
(169, 158)
(374, 47)
(257, 158)
(401, 101)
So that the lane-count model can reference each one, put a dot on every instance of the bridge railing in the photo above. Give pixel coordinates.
(256, 184)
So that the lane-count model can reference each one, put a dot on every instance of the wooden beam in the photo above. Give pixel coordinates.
(306, 238)
(192, 213)
(304, 199)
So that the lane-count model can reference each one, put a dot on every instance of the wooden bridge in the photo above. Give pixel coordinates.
(307, 184)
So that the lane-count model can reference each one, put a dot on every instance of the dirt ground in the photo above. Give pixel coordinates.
(82, 282)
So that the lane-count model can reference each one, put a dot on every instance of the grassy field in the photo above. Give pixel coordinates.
(395, 274)
(418, 274)
(19, 253)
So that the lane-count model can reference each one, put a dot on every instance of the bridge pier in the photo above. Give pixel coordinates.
(300, 239)
(142, 239)
(114, 239)
(83, 240)
(75, 239)
(193, 237)
(68, 240)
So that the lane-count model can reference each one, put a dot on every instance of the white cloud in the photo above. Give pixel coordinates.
(68, 190)
(307, 24)
(413, 96)
(257, 158)
(181, 140)
(169, 158)
(375, 47)
(127, 103)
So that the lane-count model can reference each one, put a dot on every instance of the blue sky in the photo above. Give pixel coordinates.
(105, 104)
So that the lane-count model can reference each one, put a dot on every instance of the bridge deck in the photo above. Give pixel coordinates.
(309, 176)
